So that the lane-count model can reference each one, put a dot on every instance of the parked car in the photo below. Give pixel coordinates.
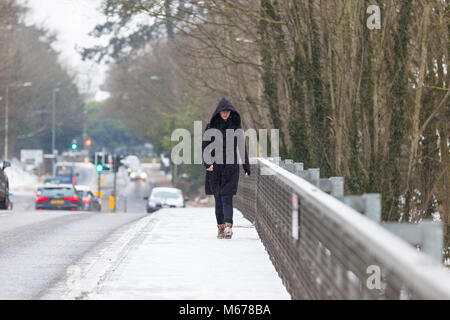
(57, 197)
(65, 173)
(4, 186)
(89, 201)
(165, 198)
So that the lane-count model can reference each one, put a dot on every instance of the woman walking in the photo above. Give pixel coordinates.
(222, 178)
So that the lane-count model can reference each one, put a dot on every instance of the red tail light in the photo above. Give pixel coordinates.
(42, 199)
(73, 199)
(87, 201)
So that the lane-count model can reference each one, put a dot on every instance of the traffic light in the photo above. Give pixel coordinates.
(108, 159)
(98, 161)
(74, 145)
(101, 161)
(117, 162)
(107, 162)
(98, 158)
(88, 143)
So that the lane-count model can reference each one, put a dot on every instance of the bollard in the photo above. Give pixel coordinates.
(368, 204)
(298, 168)
(427, 234)
(337, 186)
(314, 176)
(112, 203)
(333, 186)
(325, 185)
(289, 165)
(433, 236)
(372, 206)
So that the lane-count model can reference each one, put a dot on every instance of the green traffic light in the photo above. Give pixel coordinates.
(99, 168)
(74, 146)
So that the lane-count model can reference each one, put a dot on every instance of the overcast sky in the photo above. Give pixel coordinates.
(72, 20)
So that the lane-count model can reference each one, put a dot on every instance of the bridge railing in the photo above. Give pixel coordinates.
(324, 249)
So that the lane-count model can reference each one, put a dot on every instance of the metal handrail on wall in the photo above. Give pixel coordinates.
(324, 249)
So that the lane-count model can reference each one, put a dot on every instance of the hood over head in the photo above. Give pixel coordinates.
(225, 104)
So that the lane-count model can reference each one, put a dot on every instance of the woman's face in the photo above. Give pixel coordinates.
(225, 114)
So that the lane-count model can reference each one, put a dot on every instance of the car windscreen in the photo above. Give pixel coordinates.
(52, 180)
(135, 166)
(64, 171)
(166, 195)
(56, 192)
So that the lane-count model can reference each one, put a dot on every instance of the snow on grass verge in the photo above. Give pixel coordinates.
(18, 177)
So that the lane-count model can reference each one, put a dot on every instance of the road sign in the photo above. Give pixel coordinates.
(33, 157)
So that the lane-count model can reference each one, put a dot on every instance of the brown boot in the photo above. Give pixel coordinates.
(228, 230)
(220, 233)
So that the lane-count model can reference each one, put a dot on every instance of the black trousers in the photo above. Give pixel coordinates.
(224, 208)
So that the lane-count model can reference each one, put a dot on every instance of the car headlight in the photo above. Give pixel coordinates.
(143, 175)
(133, 175)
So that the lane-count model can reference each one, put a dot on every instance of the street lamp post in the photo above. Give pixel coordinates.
(55, 90)
(25, 84)
(5, 153)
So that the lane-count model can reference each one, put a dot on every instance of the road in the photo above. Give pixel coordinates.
(130, 193)
(37, 247)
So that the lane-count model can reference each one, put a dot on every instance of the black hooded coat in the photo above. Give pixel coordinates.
(224, 178)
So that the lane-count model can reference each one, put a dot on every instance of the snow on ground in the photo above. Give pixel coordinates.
(18, 177)
(181, 258)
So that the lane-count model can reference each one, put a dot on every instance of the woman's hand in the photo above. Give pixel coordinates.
(210, 168)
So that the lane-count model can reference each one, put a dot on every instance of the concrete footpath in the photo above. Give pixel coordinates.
(174, 254)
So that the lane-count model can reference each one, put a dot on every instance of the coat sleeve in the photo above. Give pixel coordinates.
(246, 165)
(204, 145)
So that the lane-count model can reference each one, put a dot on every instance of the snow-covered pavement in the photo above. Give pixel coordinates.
(174, 254)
